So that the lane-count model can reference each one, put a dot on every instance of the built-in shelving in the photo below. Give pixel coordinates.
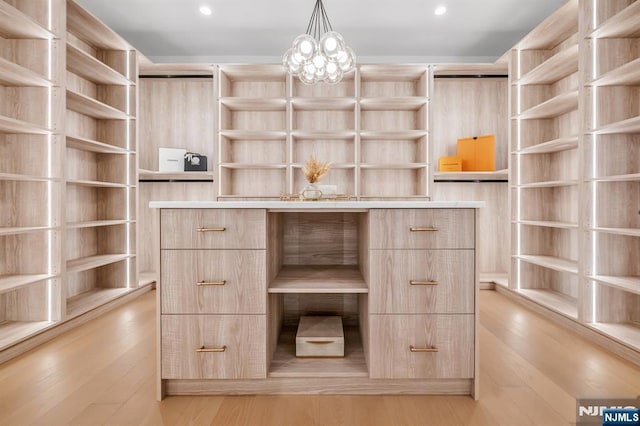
(16, 24)
(549, 184)
(629, 284)
(621, 25)
(24, 178)
(630, 125)
(13, 126)
(254, 104)
(632, 232)
(91, 262)
(318, 279)
(85, 144)
(551, 262)
(92, 69)
(498, 175)
(13, 282)
(553, 107)
(553, 69)
(625, 75)
(96, 184)
(556, 145)
(96, 223)
(321, 103)
(92, 107)
(12, 74)
(550, 224)
(22, 229)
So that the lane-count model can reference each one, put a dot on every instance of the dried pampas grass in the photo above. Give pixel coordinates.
(314, 170)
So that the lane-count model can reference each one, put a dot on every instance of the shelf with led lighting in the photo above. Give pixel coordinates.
(627, 74)
(254, 104)
(10, 283)
(19, 127)
(630, 284)
(324, 103)
(85, 144)
(554, 107)
(12, 74)
(629, 125)
(550, 224)
(85, 26)
(92, 69)
(410, 103)
(549, 184)
(552, 146)
(624, 24)
(16, 24)
(92, 107)
(553, 69)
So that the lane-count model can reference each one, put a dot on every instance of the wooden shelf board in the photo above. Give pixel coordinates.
(96, 223)
(253, 72)
(13, 126)
(333, 166)
(253, 166)
(319, 279)
(95, 183)
(334, 104)
(632, 177)
(254, 104)
(330, 135)
(87, 301)
(474, 176)
(12, 332)
(625, 75)
(13, 230)
(88, 106)
(91, 262)
(625, 23)
(550, 184)
(630, 125)
(551, 262)
(632, 232)
(92, 69)
(553, 107)
(392, 72)
(556, 145)
(84, 144)
(13, 282)
(146, 278)
(499, 278)
(629, 284)
(24, 178)
(181, 176)
(393, 104)
(553, 69)
(394, 166)
(261, 135)
(286, 364)
(549, 224)
(15, 24)
(89, 28)
(557, 27)
(393, 134)
(553, 300)
(626, 333)
(12, 74)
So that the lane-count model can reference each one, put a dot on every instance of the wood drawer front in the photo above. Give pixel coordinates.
(213, 229)
(213, 281)
(421, 281)
(392, 337)
(422, 228)
(242, 337)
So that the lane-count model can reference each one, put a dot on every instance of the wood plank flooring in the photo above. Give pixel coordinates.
(103, 372)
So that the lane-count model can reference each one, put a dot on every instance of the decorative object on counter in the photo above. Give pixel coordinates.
(313, 171)
(321, 53)
(320, 336)
(478, 153)
(195, 162)
(171, 159)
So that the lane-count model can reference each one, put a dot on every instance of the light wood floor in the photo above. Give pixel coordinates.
(531, 371)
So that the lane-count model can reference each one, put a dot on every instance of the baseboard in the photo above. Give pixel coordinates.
(594, 336)
(56, 330)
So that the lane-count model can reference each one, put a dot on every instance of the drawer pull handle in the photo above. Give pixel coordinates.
(207, 283)
(212, 229)
(320, 342)
(419, 229)
(427, 349)
(202, 349)
(417, 282)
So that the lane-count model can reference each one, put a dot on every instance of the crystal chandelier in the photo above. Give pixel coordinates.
(321, 53)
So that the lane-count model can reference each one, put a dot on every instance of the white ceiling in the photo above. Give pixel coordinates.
(377, 30)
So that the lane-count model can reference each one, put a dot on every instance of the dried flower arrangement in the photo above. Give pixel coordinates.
(314, 170)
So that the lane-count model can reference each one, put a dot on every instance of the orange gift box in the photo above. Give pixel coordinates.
(450, 164)
(478, 153)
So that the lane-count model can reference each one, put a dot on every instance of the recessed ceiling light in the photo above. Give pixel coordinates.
(440, 10)
(205, 10)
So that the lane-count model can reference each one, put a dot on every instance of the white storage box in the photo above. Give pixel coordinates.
(171, 159)
(320, 336)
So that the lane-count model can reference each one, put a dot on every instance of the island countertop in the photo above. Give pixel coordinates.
(316, 205)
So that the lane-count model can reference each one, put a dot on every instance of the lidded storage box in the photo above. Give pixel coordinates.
(320, 336)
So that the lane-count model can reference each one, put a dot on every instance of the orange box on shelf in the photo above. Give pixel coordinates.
(450, 164)
(478, 153)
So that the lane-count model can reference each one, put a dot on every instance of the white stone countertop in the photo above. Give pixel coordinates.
(316, 205)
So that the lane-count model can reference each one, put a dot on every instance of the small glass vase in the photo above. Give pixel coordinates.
(310, 192)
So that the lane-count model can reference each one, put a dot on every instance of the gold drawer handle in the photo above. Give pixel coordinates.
(212, 229)
(320, 342)
(419, 229)
(416, 282)
(203, 349)
(427, 349)
(207, 283)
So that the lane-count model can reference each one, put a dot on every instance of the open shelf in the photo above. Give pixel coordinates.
(553, 107)
(13, 126)
(555, 28)
(335, 135)
(627, 333)
(630, 125)
(632, 177)
(252, 166)
(22, 229)
(311, 104)
(286, 364)
(84, 144)
(550, 224)
(393, 104)
(12, 332)
(96, 183)
(260, 135)
(177, 176)
(630, 284)
(393, 134)
(553, 300)
(319, 279)
(96, 223)
(632, 232)
(391, 166)
(88, 106)
(12, 74)
(624, 24)
(87, 27)
(556, 145)
(13, 282)
(626, 75)
(24, 178)
(553, 69)
(501, 175)
(550, 184)
(254, 104)
(92, 69)
(87, 301)
(551, 262)
(15, 24)
(90, 262)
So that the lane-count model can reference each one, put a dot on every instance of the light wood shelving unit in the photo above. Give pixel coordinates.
(31, 181)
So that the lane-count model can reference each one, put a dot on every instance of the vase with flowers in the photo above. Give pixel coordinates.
(313, 171)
